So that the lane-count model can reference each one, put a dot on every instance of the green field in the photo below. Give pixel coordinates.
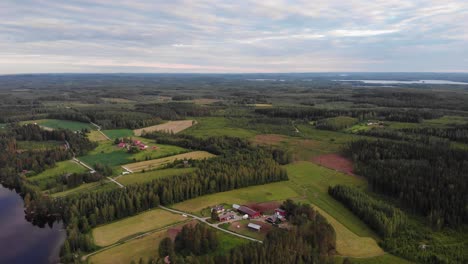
(123, 229)
(56, 124)
(51, 174)
(260, 193)
(92, 186)
(109, 153)
(118, 133)
(151, 175)
(38, 145)
(216, 126)
(96, 136)
(354, 238)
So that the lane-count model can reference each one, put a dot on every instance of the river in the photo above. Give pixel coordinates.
(20, 241)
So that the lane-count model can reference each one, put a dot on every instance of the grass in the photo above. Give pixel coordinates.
(260, 193)
(384, 259)
(96, 136)
(114, 232)
(151, 175)
(51, 174)
(118, 133)
(217, 126)
(354, 238)
(92, 186)
(108, 153)
(38, 145)
(157, 163)
(170, 126)
(228, 242)
(246, 231)
(66, 124)
(358, 128)
(144, 247)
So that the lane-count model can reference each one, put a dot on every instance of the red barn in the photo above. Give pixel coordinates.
(248, 211)
(280, 211)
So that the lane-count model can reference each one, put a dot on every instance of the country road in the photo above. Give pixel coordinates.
(203, 220)
(91, 169)
(99, 130)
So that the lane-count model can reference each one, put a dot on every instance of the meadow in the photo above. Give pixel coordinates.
(38, 145)
(123, 229)
(95, 135)
(157, 163)
(217, 126)
(168, 127)
(56, 124)
(118, 133)
(51, 174)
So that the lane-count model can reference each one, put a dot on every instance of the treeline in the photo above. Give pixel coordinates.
(308, 113)
(404, 136)
(459, 134)
(175, 110)
(385, 219)
(429, 179)
(78, 142)
(110, 119)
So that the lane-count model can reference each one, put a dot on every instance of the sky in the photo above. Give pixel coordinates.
(107, 36)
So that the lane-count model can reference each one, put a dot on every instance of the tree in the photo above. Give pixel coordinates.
(214, 215)
(166, 247)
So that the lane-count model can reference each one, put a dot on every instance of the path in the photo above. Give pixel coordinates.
(127, 169)
(91, 169)
(99, 130)
(203, 220)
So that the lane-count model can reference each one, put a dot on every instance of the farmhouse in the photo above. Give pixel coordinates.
(254, 226)
(248, 211)
(218, 209)
(226, 217)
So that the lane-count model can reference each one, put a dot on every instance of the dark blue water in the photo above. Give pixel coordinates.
(20, 241)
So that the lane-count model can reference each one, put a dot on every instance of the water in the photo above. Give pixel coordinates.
(406, 82)
(20, 241)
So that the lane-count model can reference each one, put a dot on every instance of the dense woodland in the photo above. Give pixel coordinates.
(431, 180)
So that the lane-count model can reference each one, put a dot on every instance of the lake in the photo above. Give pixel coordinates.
(405, 82)
(22, 242)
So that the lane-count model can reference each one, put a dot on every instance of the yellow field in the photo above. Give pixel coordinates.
(144, 247)
(171, 126)
(144, 222)
(95, 135)
(156, 163)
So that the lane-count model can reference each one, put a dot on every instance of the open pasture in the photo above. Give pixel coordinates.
(96, 136)
(169, 127)
(51, 174)
(114, 232)
(118, 133)
(65, 124)
(157, 163)
(217, 126)
(151, 175)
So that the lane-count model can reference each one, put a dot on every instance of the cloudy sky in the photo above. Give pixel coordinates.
(39, 36)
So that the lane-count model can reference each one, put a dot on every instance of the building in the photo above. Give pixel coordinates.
(218, 209)
(254, 226)
(248, 211)
(281, 212)
(226, 217)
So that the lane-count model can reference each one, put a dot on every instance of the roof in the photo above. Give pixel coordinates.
(235, 206)
(247, 210)
(254, 226)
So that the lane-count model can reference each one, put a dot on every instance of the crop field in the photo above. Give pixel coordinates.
(261, 193)
(217, 126)
(56, 124)
(157, 163)
(144, 247)
(60, 168)
(169, 127)
(151, 175)
(118, 133)
(354, 238)
(96, 136)
(108, 153)
(123, 229)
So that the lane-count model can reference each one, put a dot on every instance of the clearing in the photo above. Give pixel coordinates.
(157, 163)
(335, 162)
(51, 174)
(96, 136)
(169, 127)
(118, 133)
(151, 175)
(123, 229)
(56, 124)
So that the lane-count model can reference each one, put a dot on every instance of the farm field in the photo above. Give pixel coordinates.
(217, 126)
(157, 163)
(38, 145)
(108, 153)
(60, 168)
(96, 136)
(87, 187)
(151, 175)
(118, 133)
(120, 230)
(169, 127)
(56, 124)
(261, 193)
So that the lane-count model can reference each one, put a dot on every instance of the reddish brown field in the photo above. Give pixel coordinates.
(264, 207)
(336, 162)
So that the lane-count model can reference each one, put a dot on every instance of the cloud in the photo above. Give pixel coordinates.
(245, 35)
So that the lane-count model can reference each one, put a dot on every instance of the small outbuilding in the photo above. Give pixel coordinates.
(254, 226)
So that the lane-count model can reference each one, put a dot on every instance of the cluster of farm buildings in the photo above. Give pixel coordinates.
(133, 143)
(246, 212)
